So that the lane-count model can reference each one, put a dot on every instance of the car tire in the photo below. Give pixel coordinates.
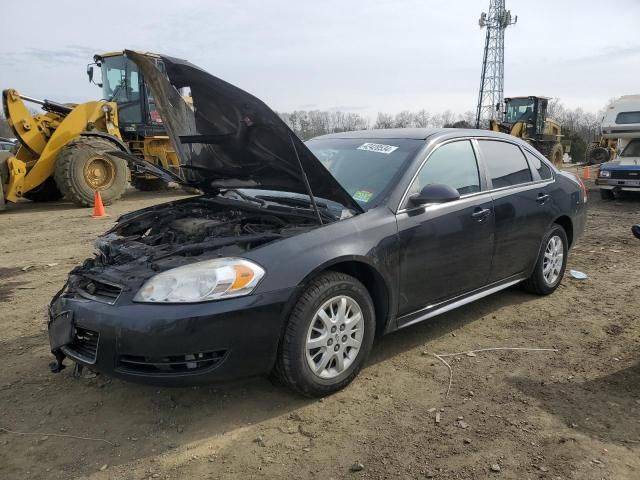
(541, 282)
(343, 297)
(607, 194)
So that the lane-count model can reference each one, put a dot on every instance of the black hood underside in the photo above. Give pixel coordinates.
(230, 139)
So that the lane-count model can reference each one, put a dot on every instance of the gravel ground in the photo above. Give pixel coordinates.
(570, 414)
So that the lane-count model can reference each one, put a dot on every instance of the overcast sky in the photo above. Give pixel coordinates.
(358, 55)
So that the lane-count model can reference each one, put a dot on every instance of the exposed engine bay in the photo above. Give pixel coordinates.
(165, 236)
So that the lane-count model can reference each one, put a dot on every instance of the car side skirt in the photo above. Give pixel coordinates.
(451, 304)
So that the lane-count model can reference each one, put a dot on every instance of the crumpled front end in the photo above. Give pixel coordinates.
(95, 321)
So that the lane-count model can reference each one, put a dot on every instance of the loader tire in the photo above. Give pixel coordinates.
(4, 168)
(82, 168)
(555, 154)
(148, 184)
(599, 155)
(47, 191)
(588, 153)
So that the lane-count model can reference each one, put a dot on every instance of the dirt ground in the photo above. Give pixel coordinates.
(574, 414)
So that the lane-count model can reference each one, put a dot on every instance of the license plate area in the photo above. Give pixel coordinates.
(61, 330)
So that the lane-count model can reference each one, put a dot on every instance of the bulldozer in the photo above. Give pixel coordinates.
(63, 151)
(526, 118)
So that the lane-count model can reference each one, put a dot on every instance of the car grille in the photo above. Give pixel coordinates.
(84, 346)
(625, 174)
(99, 290)
(174, 364)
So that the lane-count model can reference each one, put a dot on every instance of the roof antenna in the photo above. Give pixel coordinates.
(306, 181)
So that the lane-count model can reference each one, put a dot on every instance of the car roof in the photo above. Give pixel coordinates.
(417, 133)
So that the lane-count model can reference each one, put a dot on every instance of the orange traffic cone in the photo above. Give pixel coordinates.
(98, 207)
(586, 173)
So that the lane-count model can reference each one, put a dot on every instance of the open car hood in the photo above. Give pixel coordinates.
(231, 139)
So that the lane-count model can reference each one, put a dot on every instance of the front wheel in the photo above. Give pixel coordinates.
(83, 167)
(551, 263)
(328, 336)
(607, 194)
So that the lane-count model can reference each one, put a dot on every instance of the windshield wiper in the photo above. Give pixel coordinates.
(246, 197)
(298, 202)
(322, 208)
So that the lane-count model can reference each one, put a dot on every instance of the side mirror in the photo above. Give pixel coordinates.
(435, 193)
(90, 73)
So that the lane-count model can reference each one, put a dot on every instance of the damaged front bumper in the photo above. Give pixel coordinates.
(169, 344)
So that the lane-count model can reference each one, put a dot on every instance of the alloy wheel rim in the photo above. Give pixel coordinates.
(553, 260)
(334, 337)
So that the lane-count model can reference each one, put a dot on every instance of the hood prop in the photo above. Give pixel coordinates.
(306, 181)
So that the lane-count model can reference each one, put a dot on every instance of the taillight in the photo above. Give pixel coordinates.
(584, 189)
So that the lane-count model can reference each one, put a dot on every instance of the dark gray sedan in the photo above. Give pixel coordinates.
(298, 254)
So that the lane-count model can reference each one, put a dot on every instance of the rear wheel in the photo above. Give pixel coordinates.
(600, 155)
(148, 184)
(555, 154)
(588, 153)
(47, 191)
(83, 167)
(607, 194)
(551, 263)
(328, 336)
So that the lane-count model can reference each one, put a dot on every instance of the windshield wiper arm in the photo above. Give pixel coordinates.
(321, 209)
(300, 202)
(246, 197)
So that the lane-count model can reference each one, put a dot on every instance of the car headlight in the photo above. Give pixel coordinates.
(202, 282)
(604, 173)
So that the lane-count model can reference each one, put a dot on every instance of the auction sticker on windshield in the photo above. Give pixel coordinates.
(378, 147)
(362, 196)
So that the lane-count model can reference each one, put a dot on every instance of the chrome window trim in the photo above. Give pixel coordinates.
(543, 159)
(475, 194)
(436, 146)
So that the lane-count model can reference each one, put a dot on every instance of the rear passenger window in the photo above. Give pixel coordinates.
(505, 162)
(452, 164)
(539, 166)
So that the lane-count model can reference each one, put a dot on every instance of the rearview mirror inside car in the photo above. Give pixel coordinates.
(435, 193)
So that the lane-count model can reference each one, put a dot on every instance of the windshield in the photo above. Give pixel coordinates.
(364, 167)
(121, 84)
(632, 149)
(519, 110)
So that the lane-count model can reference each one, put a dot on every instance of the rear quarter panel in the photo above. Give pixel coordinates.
(571, 201)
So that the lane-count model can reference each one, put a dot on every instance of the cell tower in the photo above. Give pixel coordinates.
(492, 78)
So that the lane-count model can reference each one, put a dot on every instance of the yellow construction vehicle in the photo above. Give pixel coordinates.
(62, 151)
(526, 118)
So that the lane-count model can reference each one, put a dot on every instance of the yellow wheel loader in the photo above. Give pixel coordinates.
(63, 151)
(526, 118)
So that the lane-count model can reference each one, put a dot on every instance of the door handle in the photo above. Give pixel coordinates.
(480, 214)
(542, 198)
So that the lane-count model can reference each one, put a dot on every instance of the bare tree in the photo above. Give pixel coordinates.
(421, 119)
(384, 120)
(403, 119)
(5, 130)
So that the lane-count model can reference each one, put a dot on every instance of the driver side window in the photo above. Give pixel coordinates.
(452, 164)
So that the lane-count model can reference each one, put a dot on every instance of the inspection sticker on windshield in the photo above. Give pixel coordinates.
(362, 196)
(378, 147)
